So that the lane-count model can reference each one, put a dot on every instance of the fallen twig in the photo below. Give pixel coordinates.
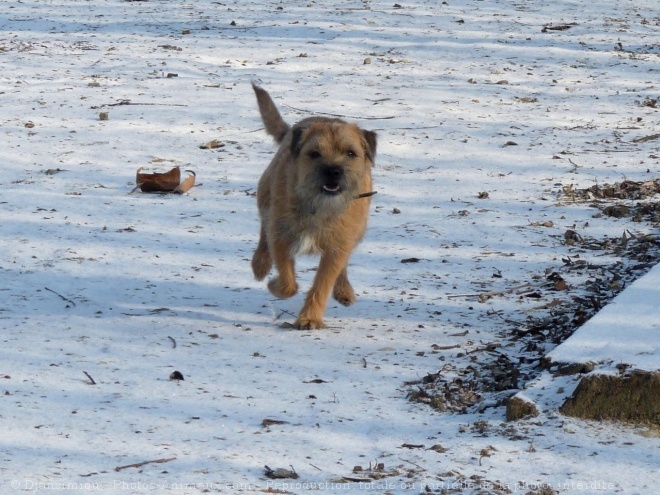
(552, 304)
(338, 115)
(90, 378)
(129, 102)
(575, 165)
(284, 312)
(646, 138)
(60, 296)
(140, 464)
(457, 296)
(484, 296)
(411, 462)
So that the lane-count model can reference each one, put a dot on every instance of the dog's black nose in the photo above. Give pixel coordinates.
(333, 172)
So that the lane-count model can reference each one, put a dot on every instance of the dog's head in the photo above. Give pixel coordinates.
(333, 160)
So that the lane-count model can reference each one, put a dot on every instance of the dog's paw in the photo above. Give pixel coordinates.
(304, 323)
(281, 290)
(261, 264)
(344, 294)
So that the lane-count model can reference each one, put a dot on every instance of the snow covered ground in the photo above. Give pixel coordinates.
(486, 111)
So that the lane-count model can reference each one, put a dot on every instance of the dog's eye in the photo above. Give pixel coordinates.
(314, 154)
(351, 154)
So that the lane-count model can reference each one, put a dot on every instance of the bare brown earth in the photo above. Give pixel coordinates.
(633, 398)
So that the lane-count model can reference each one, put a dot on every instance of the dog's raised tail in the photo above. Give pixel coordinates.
(270, 116)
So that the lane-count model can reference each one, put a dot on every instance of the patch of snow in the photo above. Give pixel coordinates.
(467, 97)
(626, 331)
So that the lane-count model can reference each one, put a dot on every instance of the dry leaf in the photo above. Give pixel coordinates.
(164, 182)
(270, 422)
(547, 223)
(211, 145)
(280, 473)
(187, 184)
(176, 375)
(561, 27)
(158, 182)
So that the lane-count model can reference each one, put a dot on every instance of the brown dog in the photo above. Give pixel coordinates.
(313, 199)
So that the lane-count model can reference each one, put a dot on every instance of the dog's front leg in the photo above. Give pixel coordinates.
(343, 291)
(332, 265)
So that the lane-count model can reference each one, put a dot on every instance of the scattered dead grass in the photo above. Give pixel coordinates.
(498, 370)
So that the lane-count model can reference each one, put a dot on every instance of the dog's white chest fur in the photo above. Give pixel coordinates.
(306, 244)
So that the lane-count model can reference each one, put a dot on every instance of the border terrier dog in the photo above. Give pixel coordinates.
(313, 198)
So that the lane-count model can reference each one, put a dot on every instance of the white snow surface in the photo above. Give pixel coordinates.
(626, 331)
(466, 96)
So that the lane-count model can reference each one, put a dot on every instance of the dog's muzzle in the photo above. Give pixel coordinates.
(331, 179)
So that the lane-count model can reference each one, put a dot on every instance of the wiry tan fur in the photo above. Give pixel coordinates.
(309, 203)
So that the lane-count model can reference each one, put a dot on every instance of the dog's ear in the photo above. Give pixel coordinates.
(370, 141)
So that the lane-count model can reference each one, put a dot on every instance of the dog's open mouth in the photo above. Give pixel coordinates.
(331, 189)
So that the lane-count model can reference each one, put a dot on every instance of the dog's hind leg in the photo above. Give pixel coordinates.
(284, 285)
(261, 260)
